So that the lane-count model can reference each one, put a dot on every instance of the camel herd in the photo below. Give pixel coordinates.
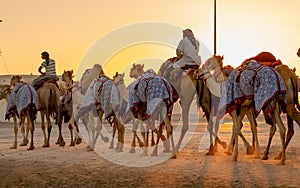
(96, 95)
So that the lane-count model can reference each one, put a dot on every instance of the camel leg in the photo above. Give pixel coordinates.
(167, 121)
(159, 134)
(121, 132)
(282, 131)
(210, 127)
(134, 128)
(289, 135)
(146, 142)
(49, 128)
(271, 134)
(60, 137)
(237, 122)
(72, 142)
(91, 130)
(30, 126)
(185, 125)
(143, 131)
(78, 139)
(254, 133)
(99, 126)
(46, 143)
(15, 132)
(24, 132)
(111, 146)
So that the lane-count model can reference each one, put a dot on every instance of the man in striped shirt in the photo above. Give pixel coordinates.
(50, 71)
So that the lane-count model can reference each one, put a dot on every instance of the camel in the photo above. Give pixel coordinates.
(78, 91)
(292, 107)
(193, 81)
(147, 105)
(22, 102)
(244, 90)
(67, 105)
(49, 103)
(124, 94)
(102, 96)
(290, 80)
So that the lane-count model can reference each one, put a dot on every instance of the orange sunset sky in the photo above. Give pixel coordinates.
(68, 29)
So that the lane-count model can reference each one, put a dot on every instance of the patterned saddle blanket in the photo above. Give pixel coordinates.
(101, 91)
(21, 97)
(147, 94)
(251, 81)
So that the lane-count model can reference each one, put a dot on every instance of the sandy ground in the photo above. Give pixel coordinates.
(76, 167)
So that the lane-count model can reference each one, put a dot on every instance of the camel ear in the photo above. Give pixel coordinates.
(133, 65)
(71, 71)
(65, 71)
(142, 65)
(222, 57)
(123, 74)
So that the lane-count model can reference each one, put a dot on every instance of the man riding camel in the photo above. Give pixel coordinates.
(49, 74)
(187, 51)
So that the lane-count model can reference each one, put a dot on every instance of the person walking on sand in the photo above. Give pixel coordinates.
(48, 74)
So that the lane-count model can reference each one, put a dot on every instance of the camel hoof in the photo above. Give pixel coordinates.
(105, 139)
(154, 153)
(46, 146)
(256, 157)
(250, 150)
(152, 143)
(62, 143)
(228, 152)
(141, 144)
(78, 141)
(23, 144)
(265, 157)
(90, 149)
(278, 157)
(111, 147)
(72, 144)
(167, 151)
(224, 145)
(144, 153)
(173, 156)
(210, 152)
(119, 149)
(282, 163)
(30, 148)
(13, 147)
(132, 150)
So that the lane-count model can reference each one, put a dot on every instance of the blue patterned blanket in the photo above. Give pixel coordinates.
(253, 81)
(147, 94)
(100, 91)
(21, 97)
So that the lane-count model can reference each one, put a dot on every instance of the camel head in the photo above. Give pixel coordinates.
(15, 80)
(118, 77)
(67, 76)
(136, 70)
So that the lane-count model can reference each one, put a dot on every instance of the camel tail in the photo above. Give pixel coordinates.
(32, 112)
(295, 90)
(53, 108)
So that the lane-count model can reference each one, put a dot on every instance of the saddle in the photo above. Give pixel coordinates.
(40, 83)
